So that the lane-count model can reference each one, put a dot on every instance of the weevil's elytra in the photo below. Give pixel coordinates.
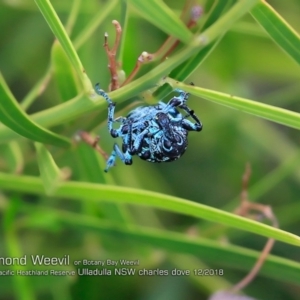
(155, 133)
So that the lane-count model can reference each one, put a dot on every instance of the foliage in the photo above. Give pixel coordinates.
(55, 198)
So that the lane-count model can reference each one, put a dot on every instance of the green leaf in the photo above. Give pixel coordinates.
(188, 67)
(124, 25)
(159, 14)
(73, 16)
(72, 109)
(269, 112)
(229, 256)
(13, 157)
(87, 32)
(84, 191)
(281, 32)
(36, 90)
(22, 288)
(51, 175)
(13, 116)
(59, 31)
(92, 170)
(64, 73)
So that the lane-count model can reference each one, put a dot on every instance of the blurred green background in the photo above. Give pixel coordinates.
(246, 63)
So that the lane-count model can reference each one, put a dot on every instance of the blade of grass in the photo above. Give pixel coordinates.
(211, 251)
(91, 27)
(13, 157)
(73, 16)
(22, 288)
(36, 90)
(64, 74)
(159, 14)
(12, 116)
(81, 104)
(269, 112)
(280, 31)
(92, 171)
(78, 42)
(188, 67)
(124, 25)
(60, 33)
(96, 192)
(185, 69)
(51, 175)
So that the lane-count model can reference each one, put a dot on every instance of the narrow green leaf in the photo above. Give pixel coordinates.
(81, 104)
(188, 67)
(280, 31)
(215, 12)
(159, 14)
(75, 10)
(185, 69)
(64, 73)
(92, 166)
(22, 288)
(124, 25)
(13, 157)
(269, 112)
(229, 256)
(13, 116)
(84, 191)
(59, 31)
(36, 90)
(50, 173)
(91, 27)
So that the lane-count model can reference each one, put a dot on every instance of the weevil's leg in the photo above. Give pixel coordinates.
(138, 140)
(125, 157)
(198, 125)
(129, 138)
(103, 94)
(188, 125)
(111, 112)
(133, 147)
(180, 101)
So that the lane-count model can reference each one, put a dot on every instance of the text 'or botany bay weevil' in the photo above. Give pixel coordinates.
(155, 133)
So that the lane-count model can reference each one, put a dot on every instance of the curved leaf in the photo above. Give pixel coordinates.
(82, 104)
(269, 112)
(61, 34)
(230, 256)
(64, 73)
(13, 156)
(159, 14)
(84, 191)
(91, 27)
(13, 117)
(51, 175)
(281, 32)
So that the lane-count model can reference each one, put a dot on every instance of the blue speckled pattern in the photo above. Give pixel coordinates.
(155, 133)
